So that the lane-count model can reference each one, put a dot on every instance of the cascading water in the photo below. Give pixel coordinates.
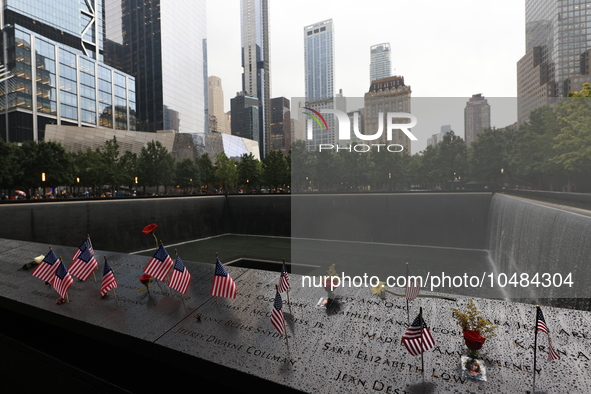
(527, 237)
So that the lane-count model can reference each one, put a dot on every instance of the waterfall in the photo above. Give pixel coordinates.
(530, 237)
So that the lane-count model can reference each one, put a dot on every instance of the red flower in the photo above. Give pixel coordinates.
(150, 228)
(473, 339)
(145, 279)
(331, 283)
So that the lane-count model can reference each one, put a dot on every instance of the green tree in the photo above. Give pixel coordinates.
(11, 169)
(572, 144)
(489, 154)
(206, 171)
(128, 167)
(534, 148)
(187, 175)
(275, 169)
(49, 158)
(250, 172)
(226, 172)
(86, 166)
(109, 165)
(451, 159)
(301, 165)
(155, 166)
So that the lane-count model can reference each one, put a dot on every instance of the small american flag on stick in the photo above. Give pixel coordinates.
(160, 264)
(62, 280)
(84, 263)
(47, 267)
(277, 318)
(223, 285)
(180, 278)
(283, 280)
(109, 281)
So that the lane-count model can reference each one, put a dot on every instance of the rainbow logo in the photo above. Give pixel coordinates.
(317, 117)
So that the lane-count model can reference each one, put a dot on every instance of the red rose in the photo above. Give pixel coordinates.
(150, 228)
(145, 279)
(473, 339)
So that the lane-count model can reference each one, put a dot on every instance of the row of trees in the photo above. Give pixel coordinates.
(47, 164)
(548, 152)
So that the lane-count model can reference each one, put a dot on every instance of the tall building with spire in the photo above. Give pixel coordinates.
(380, 65)
(256, 81)
(556, 59)
(163, 45)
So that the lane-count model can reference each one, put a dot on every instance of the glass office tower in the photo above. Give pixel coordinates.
(558, 40)
(256, 82)
(163, 45)
(319, 78)
(380, 65)
(53, 50)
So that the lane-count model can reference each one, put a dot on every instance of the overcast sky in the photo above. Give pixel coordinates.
(450, 48)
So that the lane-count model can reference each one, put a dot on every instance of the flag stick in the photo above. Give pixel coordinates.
(288, 303)
(422, 351)
(535, 348)
(216, 297)
(88, 236)
(282, 316)
(407, 312)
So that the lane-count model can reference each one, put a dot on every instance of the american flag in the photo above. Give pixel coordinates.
(88, 244)
(223, 285)
(84, 263)
(283, 280)
(541, 326)
(415, 344)
(412, 289)
(62, 280)
(180, 278)
(46, 268)
(159, 264)
(277, 318)
(109, 281)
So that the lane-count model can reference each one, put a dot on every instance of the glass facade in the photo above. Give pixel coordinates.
(163, 46)
(562, 29)
(55, 84)
(319, 61)
(80, 20)
(255, 63)
(380, 65)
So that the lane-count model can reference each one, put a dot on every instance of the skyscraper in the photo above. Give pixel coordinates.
(476, 117)
(320, 77)
(216, 105)
(556, 61)
(387, 95)
(319, 60)
(245, 116)
(256, 80)
(280, 125)
(380, 65)
(163, 45)
(53, 50)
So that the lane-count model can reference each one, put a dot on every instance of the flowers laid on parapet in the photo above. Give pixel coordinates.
(151, 229)
(33, 263)
(476, 329)
(331, 281)
(145, 280)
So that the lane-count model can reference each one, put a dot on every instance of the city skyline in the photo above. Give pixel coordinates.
(438, 42)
